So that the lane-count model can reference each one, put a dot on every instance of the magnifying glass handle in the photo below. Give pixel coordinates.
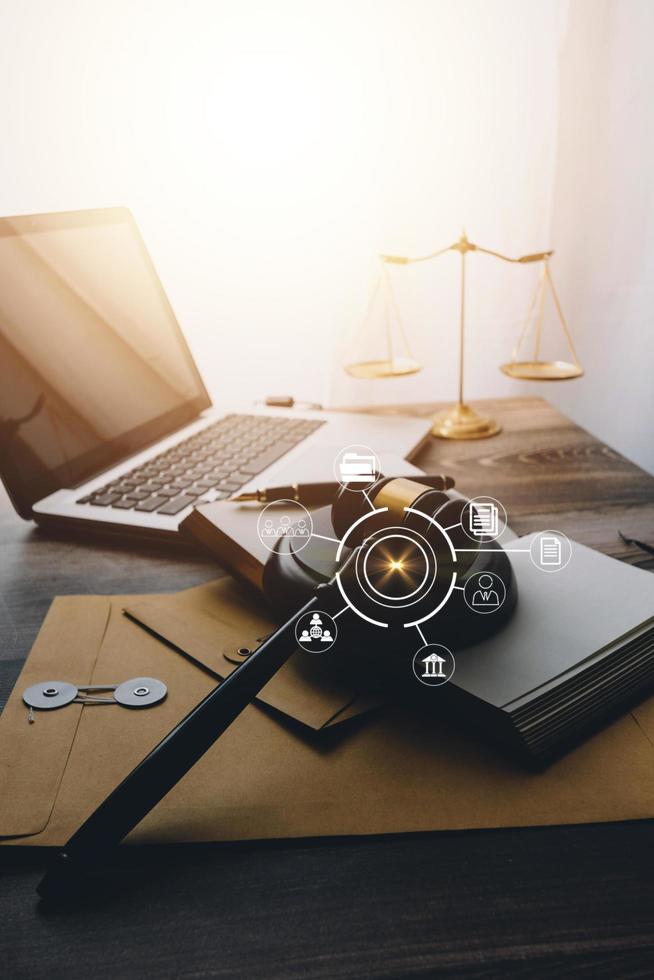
(177, 752)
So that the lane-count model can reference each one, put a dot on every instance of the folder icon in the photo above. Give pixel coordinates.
(355, 468)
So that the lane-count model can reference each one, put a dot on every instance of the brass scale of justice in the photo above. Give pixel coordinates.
(461, 421)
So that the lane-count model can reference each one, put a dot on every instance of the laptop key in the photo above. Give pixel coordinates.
(151, 504)
(124, 504)
(174, 506)
(232, 485)
(210, 496)
(209, 483)
(267, 457)
(168, 492)
(105, 499)
(138, 495)
(240, 477)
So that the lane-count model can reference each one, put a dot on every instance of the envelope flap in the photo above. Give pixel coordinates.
(215, 619)
(205, 622)
(34, 756)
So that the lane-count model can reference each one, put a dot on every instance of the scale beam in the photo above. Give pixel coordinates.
(463, 246)
(461, 421)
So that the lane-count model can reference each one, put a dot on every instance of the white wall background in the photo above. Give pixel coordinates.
(603, 219)
(270, 151)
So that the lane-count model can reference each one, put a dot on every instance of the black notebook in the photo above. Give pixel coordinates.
(578, 650)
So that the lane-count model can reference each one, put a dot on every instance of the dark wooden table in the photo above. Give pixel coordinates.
(561, 901)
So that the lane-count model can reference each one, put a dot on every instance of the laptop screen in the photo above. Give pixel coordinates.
(93, 365)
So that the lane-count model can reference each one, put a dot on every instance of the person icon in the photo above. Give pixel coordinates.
(326, 637)
(316, 632)
(485, 595)
(315, 627)
(305, 638)
(302, 530)
(285, 530)
(268, 528)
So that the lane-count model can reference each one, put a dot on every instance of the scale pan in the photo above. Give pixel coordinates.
(369, 370)
(542, 370)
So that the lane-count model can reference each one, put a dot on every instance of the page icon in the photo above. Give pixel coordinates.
(483, 519)
(550, 550)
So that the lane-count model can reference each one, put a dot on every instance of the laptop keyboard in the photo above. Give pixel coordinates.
(212, 464)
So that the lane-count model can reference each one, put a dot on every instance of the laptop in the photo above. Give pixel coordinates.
(105, 423)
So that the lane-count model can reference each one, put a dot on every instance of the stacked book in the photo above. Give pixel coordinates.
(578, 650)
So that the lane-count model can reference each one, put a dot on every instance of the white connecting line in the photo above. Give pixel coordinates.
(504, 548)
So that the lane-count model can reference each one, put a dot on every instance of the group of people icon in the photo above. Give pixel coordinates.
(285, 529)
(316, 632)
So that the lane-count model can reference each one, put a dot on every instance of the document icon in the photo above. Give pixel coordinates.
(550, 550)
(483, 519)
(355, 468)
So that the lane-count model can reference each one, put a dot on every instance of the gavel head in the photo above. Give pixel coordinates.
(390, 495)
(413, 549)
(404, 555)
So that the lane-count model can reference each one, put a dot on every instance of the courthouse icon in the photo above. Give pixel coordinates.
(430, 666)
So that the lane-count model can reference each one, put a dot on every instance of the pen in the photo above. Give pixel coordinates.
(314, 494)
(305, 493)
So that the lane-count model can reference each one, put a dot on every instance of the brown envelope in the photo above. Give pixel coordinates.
(392, 771)
(210, 622)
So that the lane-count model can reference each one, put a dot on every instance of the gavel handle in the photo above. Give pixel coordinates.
(165, 765)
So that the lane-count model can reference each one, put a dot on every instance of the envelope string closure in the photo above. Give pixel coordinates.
(139, 692)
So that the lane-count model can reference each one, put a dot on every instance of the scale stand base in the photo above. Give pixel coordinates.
(462, 422)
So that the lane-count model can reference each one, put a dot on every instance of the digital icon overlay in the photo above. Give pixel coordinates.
(284, 519)
(484, 519)
(357, 468)
(484, 592)
(550, 551)
(316, 631)
(401, 575)
(433, 665)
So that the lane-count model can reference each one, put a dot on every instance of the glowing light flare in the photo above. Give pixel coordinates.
(406, 566)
